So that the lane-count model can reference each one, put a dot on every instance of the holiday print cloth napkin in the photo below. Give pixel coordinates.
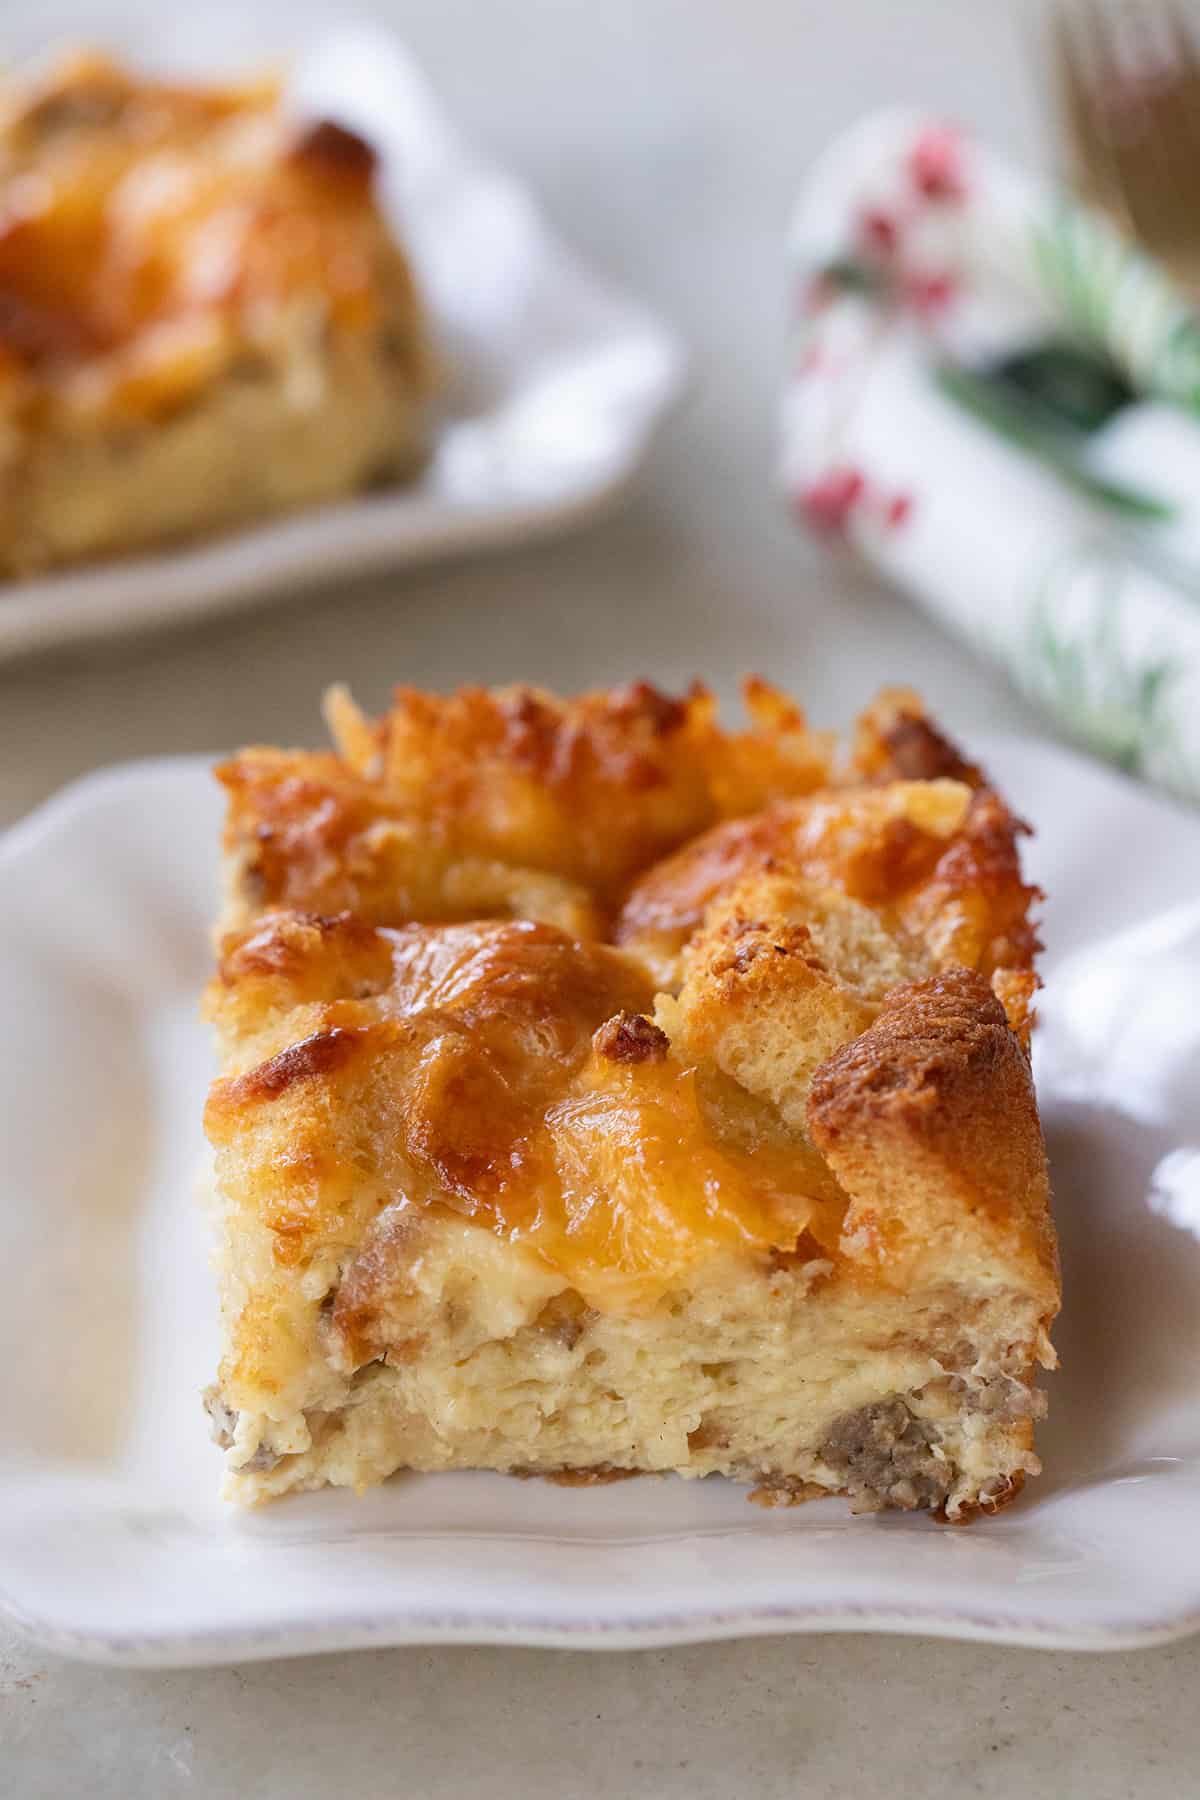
(994, 397)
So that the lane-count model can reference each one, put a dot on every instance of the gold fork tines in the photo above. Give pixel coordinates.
(1128, 78)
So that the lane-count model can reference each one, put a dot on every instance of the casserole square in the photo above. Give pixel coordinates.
(605, 1092)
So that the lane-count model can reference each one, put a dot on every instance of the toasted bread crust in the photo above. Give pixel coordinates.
(505, 802)
(798, 1070)
(204, 317)
(929, 1120)
(896, 740)
(823, 1014)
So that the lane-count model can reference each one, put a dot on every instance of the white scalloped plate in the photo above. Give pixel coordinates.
(558, 379)
(112, 1543)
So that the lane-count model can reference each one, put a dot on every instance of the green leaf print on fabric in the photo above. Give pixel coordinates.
(1028, 423)
(1116, 297)
(851, 276)
(1080, 387)
(1078, 662)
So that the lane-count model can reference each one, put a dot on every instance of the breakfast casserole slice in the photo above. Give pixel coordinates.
(607, 1092)
(203, 318)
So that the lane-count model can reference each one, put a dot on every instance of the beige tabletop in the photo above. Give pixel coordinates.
(666, 138)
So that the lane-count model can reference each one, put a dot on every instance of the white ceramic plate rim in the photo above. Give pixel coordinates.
(403, 1627)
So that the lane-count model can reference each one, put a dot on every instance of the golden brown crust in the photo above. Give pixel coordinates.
(103, 254)
(593, 788)
(782, 971)
(630, 1038)
(499, 802)
(480, 1074)
(170, 255)
(305, 832)
(321, 1054)
(602, 1476)
(930, 1123)
(1000, 1494)
(896, 740)
(938, 861)
(824, 1085)
(334, 153)
(879, 845)
(974, 910)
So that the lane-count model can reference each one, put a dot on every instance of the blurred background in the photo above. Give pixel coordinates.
(666, 140)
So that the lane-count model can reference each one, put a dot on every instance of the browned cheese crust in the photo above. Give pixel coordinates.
(660, 1008)
(203, 316)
